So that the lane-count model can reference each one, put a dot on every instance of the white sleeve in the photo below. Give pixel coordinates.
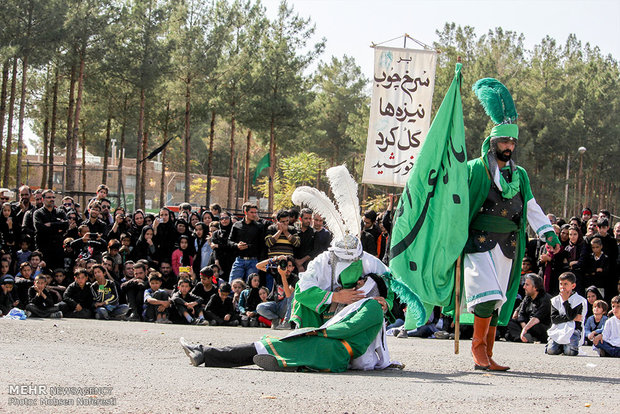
(537, 219)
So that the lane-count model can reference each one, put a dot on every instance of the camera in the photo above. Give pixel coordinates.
(273, 264)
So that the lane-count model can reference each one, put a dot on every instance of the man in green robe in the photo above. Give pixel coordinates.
(501, 205)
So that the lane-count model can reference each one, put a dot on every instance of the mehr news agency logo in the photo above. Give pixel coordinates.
(44, 395)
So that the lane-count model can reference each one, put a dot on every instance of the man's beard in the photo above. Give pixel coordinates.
(503, 156)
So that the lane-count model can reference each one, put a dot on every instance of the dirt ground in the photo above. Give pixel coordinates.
(109, 366)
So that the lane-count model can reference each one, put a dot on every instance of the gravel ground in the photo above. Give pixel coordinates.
(149, 373)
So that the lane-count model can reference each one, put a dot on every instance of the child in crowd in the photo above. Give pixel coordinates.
(597, 267)
(183, 256)
(249, 300)
(105, 296)
(237, 286)
(126, 247)
(187, 305)
(595, 323)
(114, 253)
(78, 299)
(7, 300)
(220, 309)
(36, 263)
(69, 254)
(40, 300)
(23, 254)
(608, 342)
(568, 311)
(205, 288)
(156, 301)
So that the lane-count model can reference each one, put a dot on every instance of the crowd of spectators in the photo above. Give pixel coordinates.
(211, 267)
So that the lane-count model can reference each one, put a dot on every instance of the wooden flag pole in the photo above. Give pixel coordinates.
(457, 305)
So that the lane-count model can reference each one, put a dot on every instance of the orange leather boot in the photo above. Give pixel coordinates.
(490, 342)
(479, 343)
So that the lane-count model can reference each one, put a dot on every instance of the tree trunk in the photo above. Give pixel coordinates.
(22, 114)
(76, 121)
(210, 159)
(106, 148)
(272, 162)
(187, 138)
(5, 81)
(9, 128)
(162, 196)
(121, 155)
(69, 146)
(140, 144)
(84, 167)
(52, 144)
(232, 159)
(246, 177)
(46, 128)
(145, 143)
(237, 181)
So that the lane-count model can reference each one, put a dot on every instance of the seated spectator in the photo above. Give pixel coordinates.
(156, 301)
(78, 299)
(96, 226)
(592, 295)
(237, 286)
(127, 271)
(183, 257)
(281, 296)
(186, 307)
(205, 288)
(40, 300)
(133, 291)
(568, 311)
(595, 323)
(249, 300)
(608, 342)
(24, 281)
(533, 316)
(169, 280)
(7, 300)
(105, 296)
(220, 310)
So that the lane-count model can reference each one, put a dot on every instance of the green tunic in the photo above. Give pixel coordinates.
(330, 349)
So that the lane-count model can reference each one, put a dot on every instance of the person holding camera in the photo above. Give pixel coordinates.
(278, 305)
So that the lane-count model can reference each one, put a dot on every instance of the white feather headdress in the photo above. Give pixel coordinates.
(345, 219)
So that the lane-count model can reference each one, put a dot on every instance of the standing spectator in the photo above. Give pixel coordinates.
(96, 225)
(202, 247)
(596, 271)
(105, 215)
(145, 247)
(224, 254)
(247, 236)
(7, 227)
(119, 226)
(216, 210)
(533, 316)
(610, 249)
(592, 295)
(28, 221)
(281, 238)
(20, 209)
(50, 225)
(577, 253)
(305, 251)
(586, 215)
(370, 232)
(136, 227)
(165, 234)
(322, 236)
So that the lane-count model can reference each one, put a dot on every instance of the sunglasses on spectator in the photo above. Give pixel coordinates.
(67, 204)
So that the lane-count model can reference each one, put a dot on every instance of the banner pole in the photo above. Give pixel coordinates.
(457, 305)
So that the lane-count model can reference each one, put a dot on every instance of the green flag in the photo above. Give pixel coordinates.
(262, 164)
(431, 222)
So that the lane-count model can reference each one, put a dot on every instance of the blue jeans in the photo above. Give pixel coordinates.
(275, 310)
(570, 349)
(610, 350)
(104, 312)
(242, 268)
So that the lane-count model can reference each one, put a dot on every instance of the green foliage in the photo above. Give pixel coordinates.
(294, 171)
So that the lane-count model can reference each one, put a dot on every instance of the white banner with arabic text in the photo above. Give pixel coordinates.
(400, 113)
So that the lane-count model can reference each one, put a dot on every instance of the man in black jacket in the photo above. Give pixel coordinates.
(533, 317)
(50, 225)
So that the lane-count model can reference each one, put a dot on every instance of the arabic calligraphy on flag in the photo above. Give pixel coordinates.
(400, 113)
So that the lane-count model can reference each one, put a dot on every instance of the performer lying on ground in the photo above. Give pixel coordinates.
(354, 338)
